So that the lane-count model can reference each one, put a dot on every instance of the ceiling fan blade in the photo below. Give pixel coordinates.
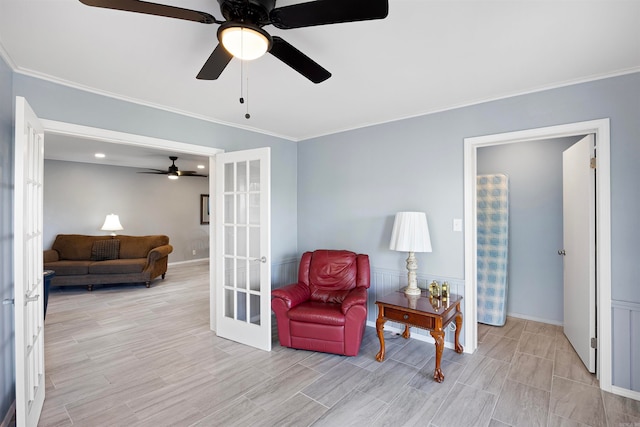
(215, 64)
(298, 60)
(153, 9)
(159, 172)
(322, 12)
(190, 173)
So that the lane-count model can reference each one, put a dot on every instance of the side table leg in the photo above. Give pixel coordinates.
(406, 334)
(380, 330)
(459, 348)
(438, 336)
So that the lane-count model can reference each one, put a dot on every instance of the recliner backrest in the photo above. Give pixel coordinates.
(331, 274)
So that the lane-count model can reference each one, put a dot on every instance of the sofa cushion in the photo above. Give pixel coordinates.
(68, 268)
(140, 246)
(118, 266)
(317, 312)
(105, 249)
(75, 247)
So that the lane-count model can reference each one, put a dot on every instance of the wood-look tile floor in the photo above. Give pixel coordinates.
(132, 356)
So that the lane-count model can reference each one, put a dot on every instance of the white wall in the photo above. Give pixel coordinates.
(78, 196)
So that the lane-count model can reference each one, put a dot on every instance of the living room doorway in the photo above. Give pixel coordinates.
(52, 127)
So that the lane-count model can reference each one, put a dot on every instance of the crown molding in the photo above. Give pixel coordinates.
(89, 89)
(6, 57)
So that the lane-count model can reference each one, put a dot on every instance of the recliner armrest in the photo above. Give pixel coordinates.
(292, 294)
(357, 296)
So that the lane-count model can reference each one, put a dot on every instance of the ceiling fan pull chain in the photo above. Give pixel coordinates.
(247, 115)
(241, 80)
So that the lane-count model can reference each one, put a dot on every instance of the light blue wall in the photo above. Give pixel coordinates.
(352, 183)
(7, 375)
(56, 102)
(535, 283)
(146, 204)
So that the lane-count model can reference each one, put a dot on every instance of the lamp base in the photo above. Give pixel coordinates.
(409, 290)
(412, 266)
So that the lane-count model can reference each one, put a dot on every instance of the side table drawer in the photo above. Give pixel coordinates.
(411, 318)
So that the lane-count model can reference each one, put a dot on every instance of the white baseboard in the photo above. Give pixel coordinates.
(419, 337)
(631, 394)
(6, 421)
(534, 319)
(190, 261)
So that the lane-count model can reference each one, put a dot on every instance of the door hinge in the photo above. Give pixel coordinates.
(593, 163)
(594, 343)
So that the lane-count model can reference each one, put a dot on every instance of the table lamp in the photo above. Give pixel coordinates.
(411, 234)
(112, 224)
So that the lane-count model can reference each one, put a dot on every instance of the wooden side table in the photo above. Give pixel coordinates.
(421, 312)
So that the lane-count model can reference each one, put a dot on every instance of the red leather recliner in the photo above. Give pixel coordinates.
(326, 310)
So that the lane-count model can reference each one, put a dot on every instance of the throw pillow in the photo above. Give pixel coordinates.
(105, 249)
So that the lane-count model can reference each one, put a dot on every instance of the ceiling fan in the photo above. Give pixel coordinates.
(241, 34)
(172, 171)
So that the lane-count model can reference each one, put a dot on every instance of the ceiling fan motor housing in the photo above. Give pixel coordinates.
(254, 12)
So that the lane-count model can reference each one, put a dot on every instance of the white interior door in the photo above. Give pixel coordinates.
(28, 268)
(243, 261)
(578, 192)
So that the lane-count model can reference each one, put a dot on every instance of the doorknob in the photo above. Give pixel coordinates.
(562, 252)
(262, 260)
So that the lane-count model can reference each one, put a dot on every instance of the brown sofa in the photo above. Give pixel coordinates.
(97, 260)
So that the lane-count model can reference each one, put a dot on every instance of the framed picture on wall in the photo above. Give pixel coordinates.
(204, 209)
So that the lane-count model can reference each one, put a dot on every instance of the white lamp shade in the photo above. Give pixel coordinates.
(112, 223)
(410, 233)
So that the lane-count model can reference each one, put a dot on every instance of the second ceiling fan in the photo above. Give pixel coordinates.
(172, 171)
(241, 34)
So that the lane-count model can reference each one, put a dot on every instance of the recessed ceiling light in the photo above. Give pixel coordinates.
(200, 166)
(100, 155)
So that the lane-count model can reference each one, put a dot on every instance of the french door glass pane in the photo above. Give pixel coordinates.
(229, 277)
(229, 246)
(254, 276)
(254, 208)
(241, 175)
(229, 181)
(228, 304)
(242, 208)
(254, 242)
(229, 209)
(242, 306)
(254, 175)
(255, 309)
(242, 273)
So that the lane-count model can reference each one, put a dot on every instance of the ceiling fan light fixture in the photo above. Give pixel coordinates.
(243, 41)
(173, 175)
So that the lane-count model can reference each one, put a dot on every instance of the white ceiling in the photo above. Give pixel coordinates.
(83, 150)
(426, 56)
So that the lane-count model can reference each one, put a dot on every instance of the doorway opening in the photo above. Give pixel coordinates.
(114, 137)
(603, 207)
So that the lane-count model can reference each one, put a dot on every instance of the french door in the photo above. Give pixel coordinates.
(29, 283)
(242, 256)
